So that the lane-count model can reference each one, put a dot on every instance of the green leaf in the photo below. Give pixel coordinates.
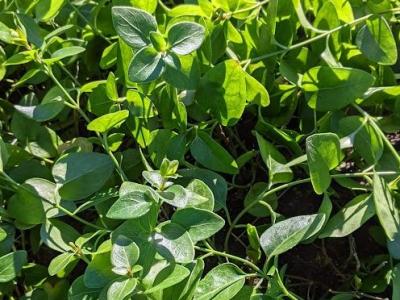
(98, 272)
(147, 65)
(79, 175)
(185, 37)
(223, 91)
(45, 111)
(173, 243)
(165, 143)
(350, 218)
(323, 155)
(78, 291)
(133, 25)
(255, 194)
(58, 235)
(106, 122)
(335, 88)
(256, 92)
(285, 235)
(11, 265)
(274, 160)
(367, 142)
(396, 282)
(60, 262)
(121, 288)
(167, 277)
(375, 40)
(210, 154)
(215, 182)
(64, 53)
(48, 9)
(124, 255)
(222, 282)
(4, 155)
(201, 224)
(185, 74)
(385, 207)
(134, 201)
(20, 58)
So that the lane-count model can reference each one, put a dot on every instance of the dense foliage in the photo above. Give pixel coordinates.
(211, 149)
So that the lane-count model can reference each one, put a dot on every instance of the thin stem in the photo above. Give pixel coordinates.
(246, 9)
(70, 214)
(88, 23)
(74, 104)
(233, 257)
(316, 38)
(289, 185)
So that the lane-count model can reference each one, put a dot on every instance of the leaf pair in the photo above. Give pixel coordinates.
(154, 53)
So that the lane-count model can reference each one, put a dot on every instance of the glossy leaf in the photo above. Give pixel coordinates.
(201, 224)
(222, 282)
(285, 235)
(133, 25)
(185, 37)
(147, 65)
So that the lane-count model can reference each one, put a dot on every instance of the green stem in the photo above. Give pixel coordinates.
(74, 104)
(246, 9)
(289, 185)
(88, 23)
(233, 257)
(316, 38)
(379, 131)
(66, 211)
(79, 219)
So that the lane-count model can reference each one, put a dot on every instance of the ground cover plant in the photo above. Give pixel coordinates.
(199, 149)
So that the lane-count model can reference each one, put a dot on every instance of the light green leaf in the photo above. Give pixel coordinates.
(64, 53)
(323, 155)
(256, 92)
(121, 288)
(79, 175)
(60, 262)
(11, 265)
(350, 218)
(4, 155)
(20, 58)
(167, 277)
(173, 242)
(147, 65)
(210, 154)
(385, 207)
(222, 282)
(106, 122)
(133, 25)
(185, 37)
(134, 201)
(58, 235)
(48, 9)
(335, 88)
(124, 255)
(201, 224)
(98, 272)
(285, 235)
(375, 40)
(223, 90)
